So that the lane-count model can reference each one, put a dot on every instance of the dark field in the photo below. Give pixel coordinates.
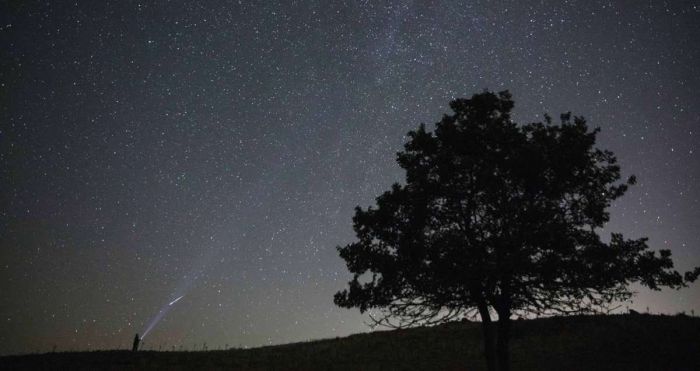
(620, 342)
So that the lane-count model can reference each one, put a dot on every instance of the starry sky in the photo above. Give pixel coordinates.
(216, 149)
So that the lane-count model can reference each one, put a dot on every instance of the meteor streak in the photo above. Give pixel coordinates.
(175, 301)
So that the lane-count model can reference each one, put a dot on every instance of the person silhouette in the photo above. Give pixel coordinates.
(135, 347)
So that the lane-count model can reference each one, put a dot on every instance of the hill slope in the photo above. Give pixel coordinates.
(621, 342)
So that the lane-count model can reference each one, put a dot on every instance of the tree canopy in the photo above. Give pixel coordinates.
(499, 217)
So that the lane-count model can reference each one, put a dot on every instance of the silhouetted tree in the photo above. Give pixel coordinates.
(497, 218)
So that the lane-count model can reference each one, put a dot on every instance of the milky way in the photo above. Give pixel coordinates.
(217, 149)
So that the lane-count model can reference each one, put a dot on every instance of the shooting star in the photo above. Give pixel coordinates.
(175, 301)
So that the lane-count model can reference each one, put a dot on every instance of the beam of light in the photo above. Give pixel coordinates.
(186, 283)
(163, 311)
(155, 320)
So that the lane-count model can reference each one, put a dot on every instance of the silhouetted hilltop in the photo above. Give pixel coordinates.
(619, 342)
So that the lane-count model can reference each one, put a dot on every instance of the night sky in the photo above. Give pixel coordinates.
(216, 150)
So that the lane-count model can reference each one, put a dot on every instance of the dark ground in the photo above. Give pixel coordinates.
(620, 342)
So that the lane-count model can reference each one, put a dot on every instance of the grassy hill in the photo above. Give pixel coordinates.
(620, 342)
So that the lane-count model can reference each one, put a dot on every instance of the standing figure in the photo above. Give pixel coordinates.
(135, 347)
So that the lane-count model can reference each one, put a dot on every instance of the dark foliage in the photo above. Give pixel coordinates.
(496, 217)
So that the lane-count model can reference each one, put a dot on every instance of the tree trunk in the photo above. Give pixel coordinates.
(502, 351)
(489, 338)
